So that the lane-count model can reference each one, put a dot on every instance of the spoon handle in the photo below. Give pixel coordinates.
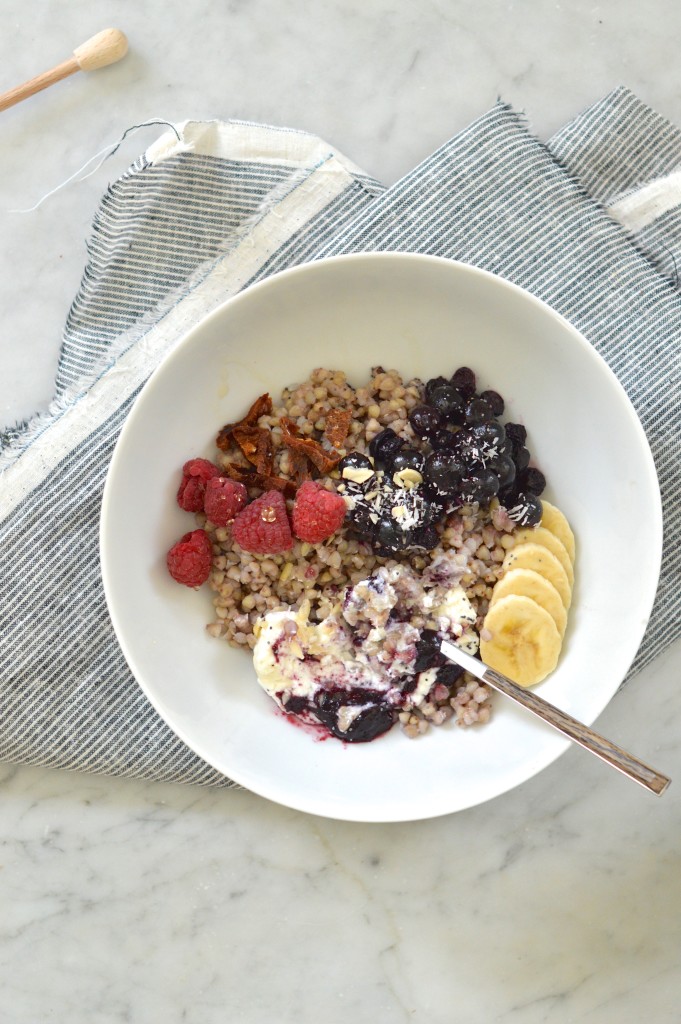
(613, 755)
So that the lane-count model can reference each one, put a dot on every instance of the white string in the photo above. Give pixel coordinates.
(105, 153)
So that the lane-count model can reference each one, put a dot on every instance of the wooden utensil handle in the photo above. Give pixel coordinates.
(34, 85)
(105, 48)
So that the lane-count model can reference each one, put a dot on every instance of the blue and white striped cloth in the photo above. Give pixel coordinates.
(590, 222)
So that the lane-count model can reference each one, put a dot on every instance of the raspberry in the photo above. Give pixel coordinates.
(317, 513)
(195, 474)
(263, 527)
(189, 560)
(223, 500)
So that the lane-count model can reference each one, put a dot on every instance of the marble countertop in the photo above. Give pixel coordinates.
(127, 901)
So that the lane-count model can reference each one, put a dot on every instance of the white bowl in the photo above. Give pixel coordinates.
(423, 316)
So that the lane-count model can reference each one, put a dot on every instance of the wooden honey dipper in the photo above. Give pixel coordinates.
(105, 48)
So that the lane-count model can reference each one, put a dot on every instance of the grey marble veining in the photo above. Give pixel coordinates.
(123, 901)
(556, 902)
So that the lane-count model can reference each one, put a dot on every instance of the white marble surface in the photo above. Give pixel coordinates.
(123, 901)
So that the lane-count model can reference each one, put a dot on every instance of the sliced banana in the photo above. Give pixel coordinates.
(527, 615)
(539, 559)
(540, 535)
(528, 583)
(524, 641)
(554, 520)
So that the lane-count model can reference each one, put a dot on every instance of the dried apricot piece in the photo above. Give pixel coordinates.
(251, 478)
(261, 407)
(322, 460)
(337, 426)
(300, 467)
(256, 445)
(264, 455)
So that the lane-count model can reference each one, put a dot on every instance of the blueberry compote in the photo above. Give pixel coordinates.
(462, 454)
(356, 715)
(366, 714)
(375, 655)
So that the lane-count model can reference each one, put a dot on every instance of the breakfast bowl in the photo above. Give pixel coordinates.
(425, 317)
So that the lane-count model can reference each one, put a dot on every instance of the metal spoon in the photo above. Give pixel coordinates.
(613, 755)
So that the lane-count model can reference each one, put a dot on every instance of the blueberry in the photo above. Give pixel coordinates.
(464, 381)
(359, 519)
(492, 434)
(428, 654)
(384, 446)
(463, 438)
(508, 496)
(388, 536)
(478, 411)
(354, 463)
(481, 487)
(425, 421)
(504, 467)
(407, 458)
(448, 674)
(482, 444)
(527, 510)
(448, 402)
(425, 537)
(443, 471)
(354, 460)
(506, 448)
(494, 399)
(443, 440)
(516, 432)
(521, 457)
(469, 457)
(434, 382)
(533, 481)
(433, 512)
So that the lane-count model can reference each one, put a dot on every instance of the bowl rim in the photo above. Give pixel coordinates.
(250, 293)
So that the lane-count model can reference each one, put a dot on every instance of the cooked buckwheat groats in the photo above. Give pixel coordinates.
(353, 529)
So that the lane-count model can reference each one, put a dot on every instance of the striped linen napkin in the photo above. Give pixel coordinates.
(591, 223)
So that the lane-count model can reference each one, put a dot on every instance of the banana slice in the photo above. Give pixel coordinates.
(528, 583)
(540, 559)
(539, 535)
(524, 642)
(555, 522)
